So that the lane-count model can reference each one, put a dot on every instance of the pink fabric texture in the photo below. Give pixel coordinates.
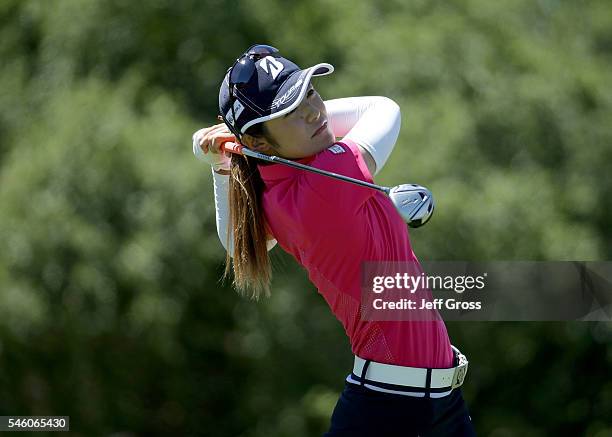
(331, 227)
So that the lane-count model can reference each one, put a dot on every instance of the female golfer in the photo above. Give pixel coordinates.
(406, 375)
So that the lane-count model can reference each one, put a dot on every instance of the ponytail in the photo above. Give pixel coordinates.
(251, 263)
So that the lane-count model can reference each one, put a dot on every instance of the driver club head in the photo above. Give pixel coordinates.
(415, 203)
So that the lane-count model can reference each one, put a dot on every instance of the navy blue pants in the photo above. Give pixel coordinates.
(361, 412)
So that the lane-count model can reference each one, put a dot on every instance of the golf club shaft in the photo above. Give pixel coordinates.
(241, 150)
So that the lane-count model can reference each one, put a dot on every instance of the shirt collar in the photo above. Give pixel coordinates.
(281, 171)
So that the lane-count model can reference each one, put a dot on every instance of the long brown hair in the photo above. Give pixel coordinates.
(251, 263)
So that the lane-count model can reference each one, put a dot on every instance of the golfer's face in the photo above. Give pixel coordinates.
(304, 131)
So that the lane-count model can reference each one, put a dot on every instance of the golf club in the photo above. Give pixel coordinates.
(414, 202)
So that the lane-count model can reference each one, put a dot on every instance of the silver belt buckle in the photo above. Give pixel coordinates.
(460, 371)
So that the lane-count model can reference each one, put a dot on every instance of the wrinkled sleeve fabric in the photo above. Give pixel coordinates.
(372, 122)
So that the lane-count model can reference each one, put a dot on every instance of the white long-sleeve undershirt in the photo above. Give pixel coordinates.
(371, 122)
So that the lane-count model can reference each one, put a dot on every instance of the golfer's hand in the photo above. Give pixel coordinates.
(207, 146)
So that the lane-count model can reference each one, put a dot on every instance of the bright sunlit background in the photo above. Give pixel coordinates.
(111, 310)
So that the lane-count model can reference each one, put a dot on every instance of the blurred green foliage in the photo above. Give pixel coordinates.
(111, 309)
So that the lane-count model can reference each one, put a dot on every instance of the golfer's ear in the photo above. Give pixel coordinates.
(259, 144)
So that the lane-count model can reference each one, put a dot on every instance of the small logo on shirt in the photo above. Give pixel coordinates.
(336, 149)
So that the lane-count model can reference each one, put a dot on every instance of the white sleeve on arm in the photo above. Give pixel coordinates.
(372, 122)
(221, 188)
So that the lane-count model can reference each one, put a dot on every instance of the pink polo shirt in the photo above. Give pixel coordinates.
(331, 227)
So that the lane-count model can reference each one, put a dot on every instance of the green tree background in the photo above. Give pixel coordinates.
(111, 309)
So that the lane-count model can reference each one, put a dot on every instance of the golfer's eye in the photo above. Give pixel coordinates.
(309, 94)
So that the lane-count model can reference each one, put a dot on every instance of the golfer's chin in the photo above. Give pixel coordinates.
(323, 140)
(312, 146)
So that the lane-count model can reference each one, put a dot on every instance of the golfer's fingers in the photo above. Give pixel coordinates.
(198, 138)
(203, 138)
(222, 130)
(218, 128)
(218, 139)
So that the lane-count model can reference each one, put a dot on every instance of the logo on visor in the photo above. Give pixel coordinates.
(288, 95)
(238, 108)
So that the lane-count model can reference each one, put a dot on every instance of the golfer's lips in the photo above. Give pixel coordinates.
(318, 131)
